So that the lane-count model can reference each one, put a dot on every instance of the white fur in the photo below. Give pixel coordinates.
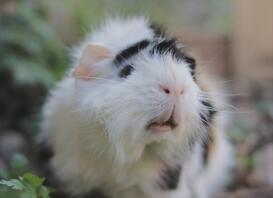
(97, 128)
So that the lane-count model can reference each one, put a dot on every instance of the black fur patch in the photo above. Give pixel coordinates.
(170, 46)
(192, 64)
(211, 112)
(170, 178)
(158, 30)
(206, 121)
(130, 51)
(205, 146)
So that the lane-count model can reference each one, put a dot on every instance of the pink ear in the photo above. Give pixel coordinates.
(91, 55)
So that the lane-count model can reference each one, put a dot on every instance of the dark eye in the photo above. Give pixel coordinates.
(126, 71)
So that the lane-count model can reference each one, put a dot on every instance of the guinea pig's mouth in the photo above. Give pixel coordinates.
(160, 127)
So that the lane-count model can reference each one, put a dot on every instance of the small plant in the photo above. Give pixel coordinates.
(28, 186)
(25, 186)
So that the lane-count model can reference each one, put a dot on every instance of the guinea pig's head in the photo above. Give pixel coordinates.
(145, 97)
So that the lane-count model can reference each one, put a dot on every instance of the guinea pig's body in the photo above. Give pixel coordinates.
(132, 119)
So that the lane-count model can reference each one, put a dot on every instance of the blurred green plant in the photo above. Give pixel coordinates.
(28, 47)
(27, 186)
(32, 58)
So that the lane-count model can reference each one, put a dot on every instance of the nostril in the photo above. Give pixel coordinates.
(165, 89)
(182, 91)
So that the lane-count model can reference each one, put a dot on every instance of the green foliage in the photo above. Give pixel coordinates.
(28, 47)
(27, 186)
(32, 58)
(14, 184)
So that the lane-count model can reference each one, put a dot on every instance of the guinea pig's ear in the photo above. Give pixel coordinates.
(91, 54)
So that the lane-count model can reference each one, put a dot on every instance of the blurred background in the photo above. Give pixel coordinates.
(231, 39)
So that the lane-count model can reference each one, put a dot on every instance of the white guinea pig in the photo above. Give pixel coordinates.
(133, 120)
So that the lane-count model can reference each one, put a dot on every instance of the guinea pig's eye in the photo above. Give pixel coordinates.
(126, 71)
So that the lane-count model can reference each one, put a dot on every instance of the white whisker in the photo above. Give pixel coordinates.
(97, 78)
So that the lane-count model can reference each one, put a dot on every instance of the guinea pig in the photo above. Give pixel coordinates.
(132, 119)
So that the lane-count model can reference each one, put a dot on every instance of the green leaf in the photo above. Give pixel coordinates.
(30, 190)
(27, 186)
(34, 180)
(13, 184)
(44, 192)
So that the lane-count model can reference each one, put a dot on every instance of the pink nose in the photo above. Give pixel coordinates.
(171, 91)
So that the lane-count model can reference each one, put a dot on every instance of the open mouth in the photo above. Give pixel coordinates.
(160, 127)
